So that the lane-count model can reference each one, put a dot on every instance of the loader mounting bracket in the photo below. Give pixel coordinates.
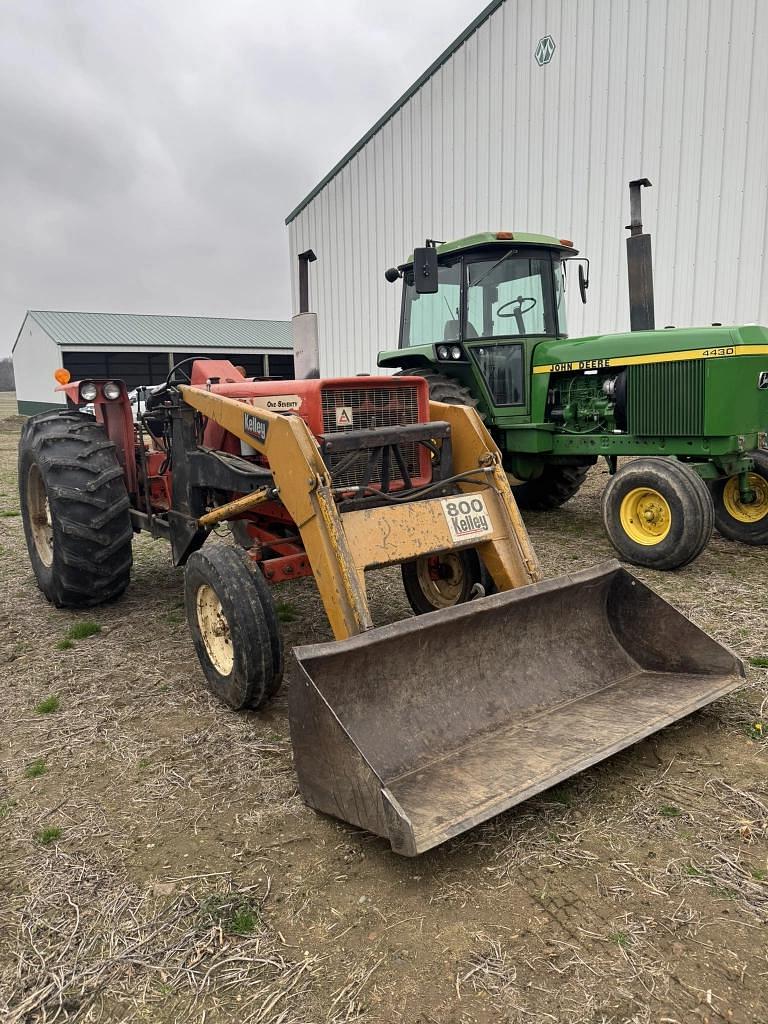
(225, 472)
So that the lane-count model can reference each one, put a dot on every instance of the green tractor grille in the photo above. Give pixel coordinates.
(666, 399)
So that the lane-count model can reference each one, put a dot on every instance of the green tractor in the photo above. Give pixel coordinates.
(483, 320)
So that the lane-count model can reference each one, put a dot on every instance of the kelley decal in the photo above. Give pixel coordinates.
(255, 426)
(467, 517)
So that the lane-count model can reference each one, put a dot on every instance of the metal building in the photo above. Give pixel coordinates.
(535, 119)
(138, 348)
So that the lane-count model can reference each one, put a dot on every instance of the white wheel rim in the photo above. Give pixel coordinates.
(214, 629)
(40, 522)
(445, 591)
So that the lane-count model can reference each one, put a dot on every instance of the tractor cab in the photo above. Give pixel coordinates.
(480, 305)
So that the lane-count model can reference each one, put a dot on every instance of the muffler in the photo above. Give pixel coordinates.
(420, 730)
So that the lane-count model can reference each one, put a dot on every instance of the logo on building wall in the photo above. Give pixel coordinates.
(545, 50)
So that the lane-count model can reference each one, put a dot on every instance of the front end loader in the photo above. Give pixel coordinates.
(415, 731)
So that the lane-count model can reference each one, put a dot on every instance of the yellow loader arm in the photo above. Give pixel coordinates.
(340, 546)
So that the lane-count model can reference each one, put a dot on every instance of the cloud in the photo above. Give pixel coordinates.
(151, 150)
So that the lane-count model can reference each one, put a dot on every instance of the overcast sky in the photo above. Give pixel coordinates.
(150, 150)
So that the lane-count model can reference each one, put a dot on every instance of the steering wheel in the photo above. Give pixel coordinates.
(520, 301)
(177, 375)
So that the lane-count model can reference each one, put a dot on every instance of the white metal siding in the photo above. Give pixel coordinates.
(672, 90)
(36, 358)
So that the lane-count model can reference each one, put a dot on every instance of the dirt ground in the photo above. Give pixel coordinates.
(158, 865)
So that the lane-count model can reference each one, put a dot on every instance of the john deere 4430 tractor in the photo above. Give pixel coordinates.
(483, 320)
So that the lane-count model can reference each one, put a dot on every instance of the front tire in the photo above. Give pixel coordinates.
(75, 510)
(658, 513)
(742, 521)
(234, 626)
(433, 582)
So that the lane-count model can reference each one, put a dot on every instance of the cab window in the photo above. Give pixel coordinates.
(435, 317)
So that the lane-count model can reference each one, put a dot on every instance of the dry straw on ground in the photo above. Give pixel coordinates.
(158, 865)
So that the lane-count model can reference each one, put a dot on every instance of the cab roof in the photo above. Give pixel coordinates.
(491, 238)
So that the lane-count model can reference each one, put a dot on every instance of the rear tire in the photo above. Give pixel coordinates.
(735, 520)
(234, 627)
(443, 388)
(433, 582)
(75, 510)
(658, 513)
(555, 486)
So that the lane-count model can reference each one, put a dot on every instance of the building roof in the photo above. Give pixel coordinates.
(158, 331)
(459, 41)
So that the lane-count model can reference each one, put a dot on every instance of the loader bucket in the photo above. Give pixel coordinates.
(420, 730)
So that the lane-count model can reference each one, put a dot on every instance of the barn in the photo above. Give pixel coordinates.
(534, 120)
(137, 348)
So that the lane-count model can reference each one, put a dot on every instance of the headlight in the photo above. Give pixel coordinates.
(442, 351)
(88, 391)
(112, 390)
(455, 352)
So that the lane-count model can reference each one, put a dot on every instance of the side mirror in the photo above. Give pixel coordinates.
(392, 275)
(425, 270)
(583, 280)
(583, 273)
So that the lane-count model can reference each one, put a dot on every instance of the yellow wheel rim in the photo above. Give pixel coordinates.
(746, 512)
(214, 629)
(645, 516)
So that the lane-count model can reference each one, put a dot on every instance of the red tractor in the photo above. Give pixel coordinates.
(416, 730)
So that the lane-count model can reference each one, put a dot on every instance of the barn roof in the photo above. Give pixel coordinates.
(160, 331)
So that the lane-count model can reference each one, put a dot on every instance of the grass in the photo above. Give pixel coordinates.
(758, 662)
(243, 922)
(49, 705)
(286, 612)
(36, 768)
(6, 806)
(620, 938)
(693, 871)
(82, 630)
(670, 811)
(9, 513)
(236, 915)
(64, 645)
(759, 874)
(48, 835)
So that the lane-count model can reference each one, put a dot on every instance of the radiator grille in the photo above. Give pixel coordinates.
(365, 409)
(666, 399)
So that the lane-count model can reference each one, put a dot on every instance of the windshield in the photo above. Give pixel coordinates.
(511, 295)
(433, 317)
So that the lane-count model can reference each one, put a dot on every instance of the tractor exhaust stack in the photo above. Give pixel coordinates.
(642, 315)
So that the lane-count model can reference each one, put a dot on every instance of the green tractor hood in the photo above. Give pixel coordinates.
(634, 347)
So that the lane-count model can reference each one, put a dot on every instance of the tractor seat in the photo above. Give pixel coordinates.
(452, 331)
